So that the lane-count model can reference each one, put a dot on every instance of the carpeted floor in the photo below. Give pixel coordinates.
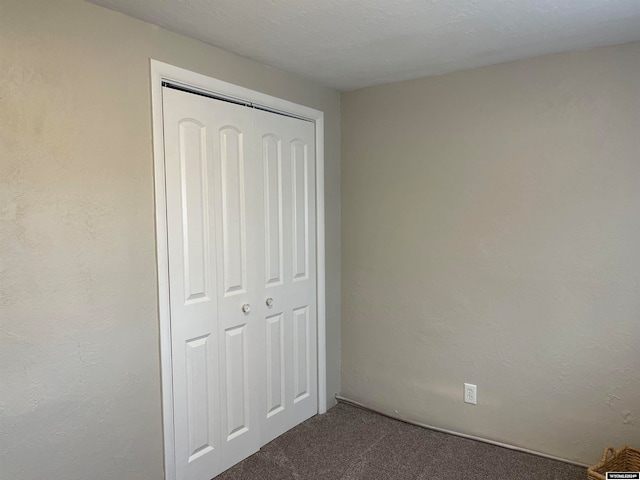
(348, 443)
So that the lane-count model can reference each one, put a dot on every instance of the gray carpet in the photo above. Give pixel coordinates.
(348, 443)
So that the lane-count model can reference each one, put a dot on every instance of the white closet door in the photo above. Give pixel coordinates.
(238, 173)
(214, 198)
(289, 282)
(241, 238)
(189, 165)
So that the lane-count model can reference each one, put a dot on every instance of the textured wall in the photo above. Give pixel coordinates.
(491, 235)
(79, 357)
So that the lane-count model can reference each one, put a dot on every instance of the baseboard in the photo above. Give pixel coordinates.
(451, 432)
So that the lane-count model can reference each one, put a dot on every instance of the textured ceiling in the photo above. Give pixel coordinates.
(349, 44)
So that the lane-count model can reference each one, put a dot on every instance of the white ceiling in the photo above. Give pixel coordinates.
(348, 44)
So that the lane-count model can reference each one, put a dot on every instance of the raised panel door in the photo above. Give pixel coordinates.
(288, 153)
(241, 235)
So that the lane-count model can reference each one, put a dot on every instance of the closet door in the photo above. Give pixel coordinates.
(289, 281)
(241, 222)
(215, 240)
(191, 230)
(240, 251)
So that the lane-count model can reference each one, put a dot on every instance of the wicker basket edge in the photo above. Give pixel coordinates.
(594, 474)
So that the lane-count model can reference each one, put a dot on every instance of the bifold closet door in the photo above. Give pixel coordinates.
(240, 187)
(288, 156)
(214, 194)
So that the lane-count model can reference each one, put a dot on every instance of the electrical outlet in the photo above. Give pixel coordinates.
(470, 393)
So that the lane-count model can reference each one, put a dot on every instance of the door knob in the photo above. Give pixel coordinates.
(269, 301)
(246, 308)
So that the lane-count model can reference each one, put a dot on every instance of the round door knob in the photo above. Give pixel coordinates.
(269, 301)
(246, 308)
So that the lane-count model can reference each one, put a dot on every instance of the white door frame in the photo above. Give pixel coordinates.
(163, 72)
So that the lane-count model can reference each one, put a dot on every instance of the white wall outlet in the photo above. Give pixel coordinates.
(470, 393)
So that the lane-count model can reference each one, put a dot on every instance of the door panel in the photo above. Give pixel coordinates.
(237, 398)
(193, 167)
(272, 165)
(214, 196)
(239, 194)
(294, 291)
(275, 364)
(233, 210)
(201, 432)
(300, 210)
(191, 239)
(301, 359)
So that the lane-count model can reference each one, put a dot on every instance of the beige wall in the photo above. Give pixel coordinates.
(79, 359)
(491, 235)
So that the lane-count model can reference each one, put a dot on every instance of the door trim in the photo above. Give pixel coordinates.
(163, 72)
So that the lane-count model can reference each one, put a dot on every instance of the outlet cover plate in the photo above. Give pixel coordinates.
(470, 393)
